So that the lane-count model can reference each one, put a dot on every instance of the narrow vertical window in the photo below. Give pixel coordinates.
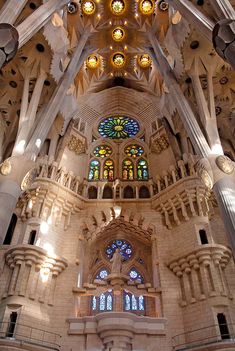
(11, 325)
(102, 302)
(142, 170)
(94, 305)
(109, 302)
(108, 173)
(223, 326)
(203, 237)
(127, 170)
(10, 230)
(94, 170)
(32, 237)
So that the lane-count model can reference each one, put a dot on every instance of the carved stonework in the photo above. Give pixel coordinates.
(160, 144)
(6, 167)
(205, 173)
(76, 145)
(28, 179)
(225, 164)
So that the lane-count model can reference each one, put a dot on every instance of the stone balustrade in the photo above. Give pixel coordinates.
(33, 273)
(202, 273)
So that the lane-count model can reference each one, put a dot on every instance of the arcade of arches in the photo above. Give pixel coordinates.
(117, 175)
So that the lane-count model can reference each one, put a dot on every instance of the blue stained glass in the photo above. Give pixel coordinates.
(141, 303)
(123, 245)
(134, 303)
(94, 170)
(135, 275)
(102, 274)
(142, 170)
(102, 302)
(119, 127)
(109, 303)
(127, 303)
(94, 303)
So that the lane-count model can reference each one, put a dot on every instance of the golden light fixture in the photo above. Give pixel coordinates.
(118, 34)
(88, 7)
(92, 61)
(118, 60)
(147, 7)
(144, 60)
(117, 7)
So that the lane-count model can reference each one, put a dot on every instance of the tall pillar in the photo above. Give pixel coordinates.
(223, 8)
(9, 194)
(32, 24)
(216, 170)
(11, 10)
(194, 16)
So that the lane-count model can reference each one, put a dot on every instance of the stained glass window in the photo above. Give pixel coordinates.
(124, 247)
(127, 170)
(135, 275)
(108, 170)
(102, 151)
(102, 303)
(118, 127)
(94, 170)
(102, 274)
(132, 302)
(134, 151)
(142, 170)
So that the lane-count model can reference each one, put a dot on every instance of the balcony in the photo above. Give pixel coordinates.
(17, 336)
(210, 338)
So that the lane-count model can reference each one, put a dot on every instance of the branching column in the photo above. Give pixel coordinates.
(219, 168)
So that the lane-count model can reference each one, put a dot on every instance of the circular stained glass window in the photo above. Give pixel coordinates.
(124, 247)
(88, 7)
(135, 275)
(134, 151)
(118, 127)
(118, 60)
(147, 7)
(102, 151)
(117, 7)
(118, 34)
(103, 273)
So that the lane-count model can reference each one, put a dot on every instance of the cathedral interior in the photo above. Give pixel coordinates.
(117, 175)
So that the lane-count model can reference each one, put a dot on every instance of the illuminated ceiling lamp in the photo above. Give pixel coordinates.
(147, 7)
(144, 61)
(118, 60)
(88, 7)
(117, 7)
(92, 61)
(118, 34)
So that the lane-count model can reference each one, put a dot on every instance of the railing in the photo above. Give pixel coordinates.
(29, 335)
(204, 336)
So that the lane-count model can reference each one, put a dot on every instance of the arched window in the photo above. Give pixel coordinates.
(142, 170)
(102, 303)
(108, 172)
(94, 170)
(135, 275)
(92, 192)
(128, 192)
(132, 302)
(127, 170)
(107, 192)
(144, 192)
(10, 230)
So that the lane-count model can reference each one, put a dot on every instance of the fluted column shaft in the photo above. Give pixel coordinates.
(11, 10)
(194, 16)
(223, 8)
(32, 24)
(224, 191)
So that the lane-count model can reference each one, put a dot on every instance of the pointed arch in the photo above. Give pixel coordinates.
(127, 169)
(94, 170)
(142, 169)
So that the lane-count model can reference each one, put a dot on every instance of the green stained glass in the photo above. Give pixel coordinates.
(118, 127)
(142, 170)
(134, 151)
(102, 151)
(94, 170)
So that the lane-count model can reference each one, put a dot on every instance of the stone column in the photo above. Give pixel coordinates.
(47, 119)
(181, 103)
(11, 10)
(194, 16)
(9, 194)
(223, 8)
(32, 24)
(224, 191)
